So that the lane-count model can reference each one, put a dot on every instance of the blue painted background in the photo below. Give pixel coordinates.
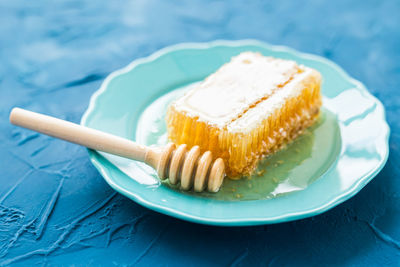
(56, 209)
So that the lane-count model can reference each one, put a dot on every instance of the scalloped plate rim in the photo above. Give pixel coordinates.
(343, 196)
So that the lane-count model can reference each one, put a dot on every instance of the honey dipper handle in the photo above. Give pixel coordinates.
(78, 134)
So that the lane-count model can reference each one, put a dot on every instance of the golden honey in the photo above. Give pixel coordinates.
(246, 110)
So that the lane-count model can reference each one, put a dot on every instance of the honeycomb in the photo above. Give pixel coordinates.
(242, 119)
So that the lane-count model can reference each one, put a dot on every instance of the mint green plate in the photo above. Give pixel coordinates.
(328, 164)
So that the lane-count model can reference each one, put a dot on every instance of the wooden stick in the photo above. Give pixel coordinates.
(78, 134)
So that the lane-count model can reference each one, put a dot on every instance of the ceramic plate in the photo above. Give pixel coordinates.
(330, 163)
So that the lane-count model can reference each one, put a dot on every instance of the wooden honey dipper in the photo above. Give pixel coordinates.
(176, 163)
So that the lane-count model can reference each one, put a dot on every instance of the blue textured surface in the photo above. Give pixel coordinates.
(56, 209)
